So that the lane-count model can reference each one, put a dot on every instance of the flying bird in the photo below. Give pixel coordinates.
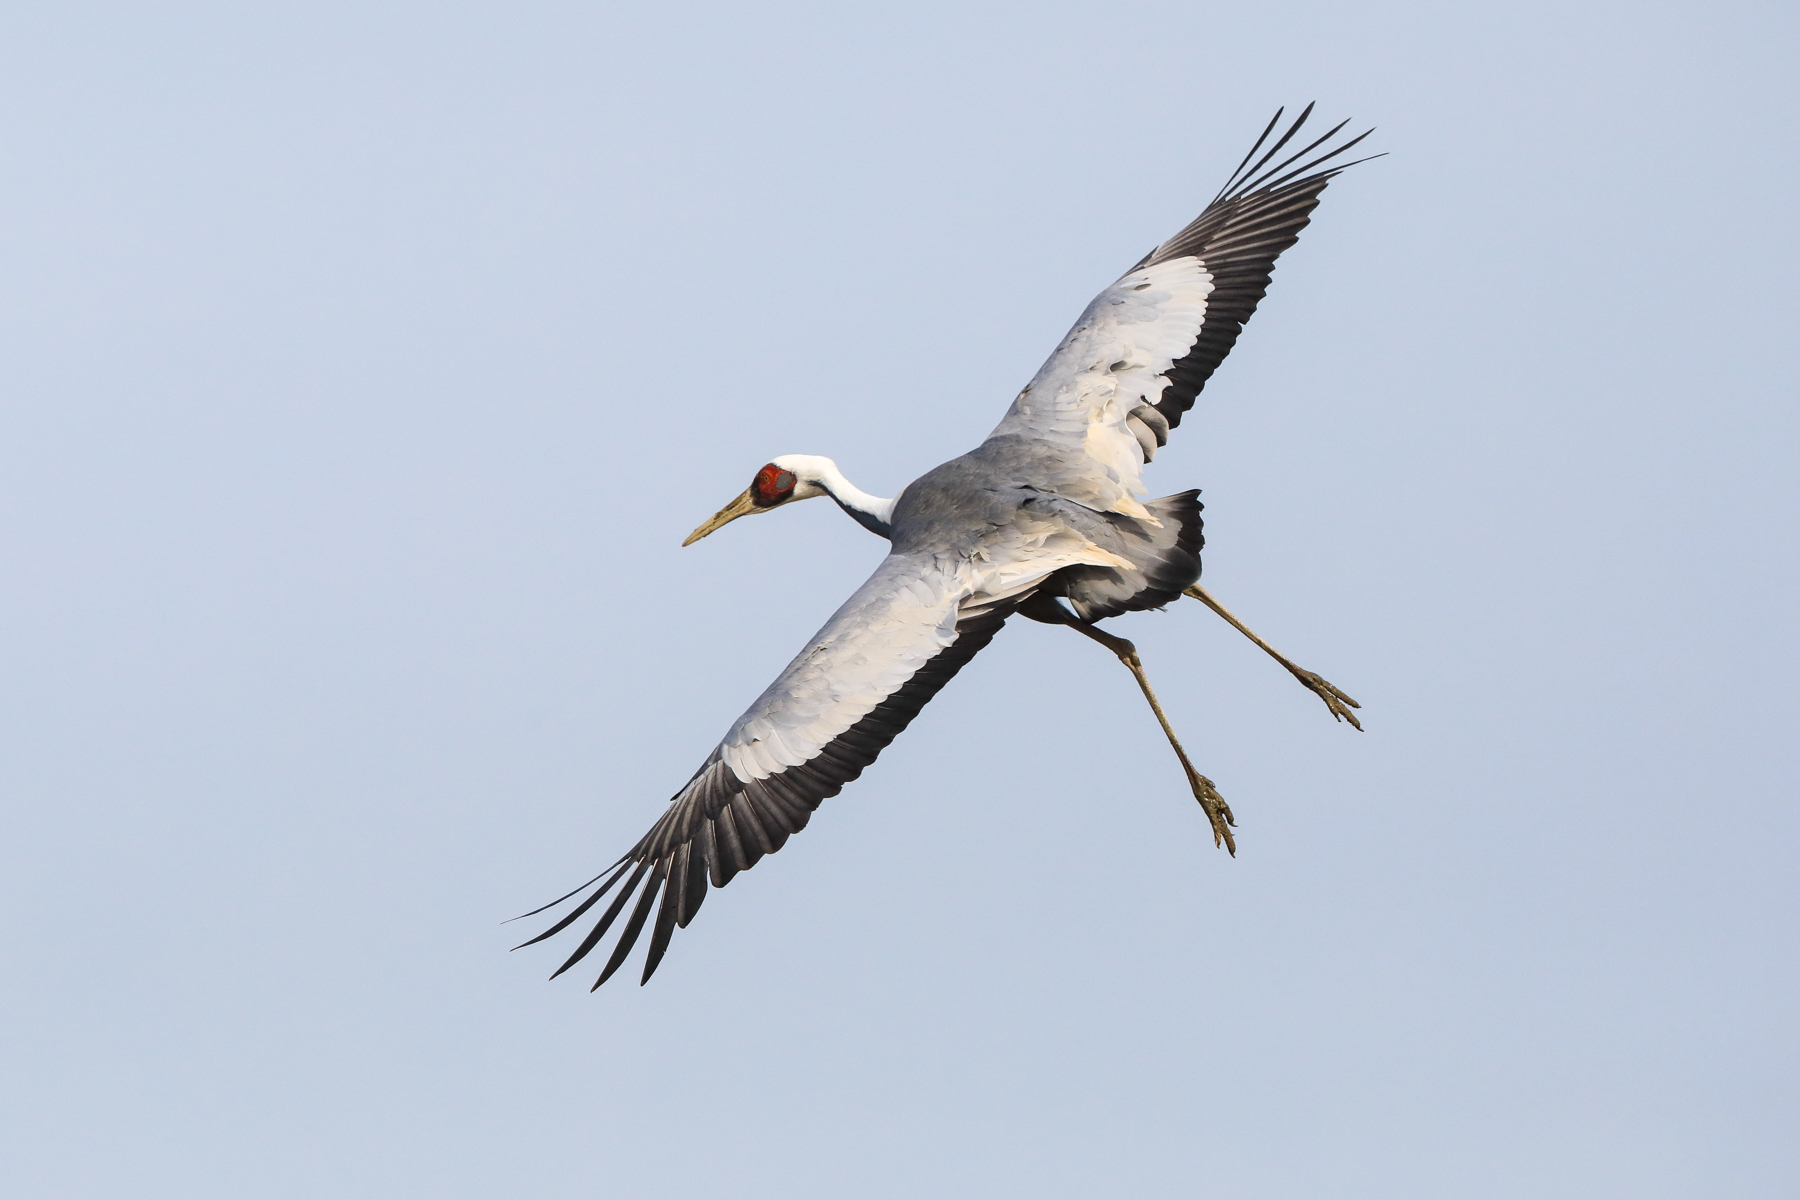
(1045, 519)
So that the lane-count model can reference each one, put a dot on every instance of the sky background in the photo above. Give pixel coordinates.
(364, 365)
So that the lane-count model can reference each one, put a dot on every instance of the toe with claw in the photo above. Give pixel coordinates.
(1217, 811)
(1334, 699)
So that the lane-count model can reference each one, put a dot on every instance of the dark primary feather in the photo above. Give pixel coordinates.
(579, 909)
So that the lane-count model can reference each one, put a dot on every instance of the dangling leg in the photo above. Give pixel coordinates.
(1217, 811)
(1334, 699)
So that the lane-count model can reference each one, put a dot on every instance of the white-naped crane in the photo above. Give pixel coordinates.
(1043, 519)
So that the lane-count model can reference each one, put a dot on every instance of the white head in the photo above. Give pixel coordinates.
(781, 481)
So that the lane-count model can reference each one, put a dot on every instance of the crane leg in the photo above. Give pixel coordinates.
(1213, 804)
(1334, 699)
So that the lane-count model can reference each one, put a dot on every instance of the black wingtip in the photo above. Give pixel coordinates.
(1267, 130)
(666, 914)
(612, 914)
(1235, 184)
(534, 912)
(1248, 178)
(1269, 183)
(628, 938)
(579, 909)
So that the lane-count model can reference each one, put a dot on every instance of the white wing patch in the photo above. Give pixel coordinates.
(1116, 358)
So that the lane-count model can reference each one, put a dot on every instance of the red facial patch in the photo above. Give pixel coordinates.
(771, 486)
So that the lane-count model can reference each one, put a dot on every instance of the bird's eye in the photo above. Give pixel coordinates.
(771, 486)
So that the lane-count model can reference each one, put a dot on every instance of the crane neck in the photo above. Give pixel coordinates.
(871, 512)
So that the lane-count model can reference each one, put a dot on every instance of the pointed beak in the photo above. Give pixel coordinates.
(725, 516)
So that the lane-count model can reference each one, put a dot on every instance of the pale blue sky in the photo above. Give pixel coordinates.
(365, 365)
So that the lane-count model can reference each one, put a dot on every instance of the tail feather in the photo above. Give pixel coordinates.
(1166, 559)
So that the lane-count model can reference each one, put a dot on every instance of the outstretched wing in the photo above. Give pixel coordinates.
(1140, 354)
(856, 685)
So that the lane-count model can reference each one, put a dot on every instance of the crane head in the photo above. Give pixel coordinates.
(782, 481)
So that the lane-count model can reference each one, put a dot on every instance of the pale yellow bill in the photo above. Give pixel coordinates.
(725, 516)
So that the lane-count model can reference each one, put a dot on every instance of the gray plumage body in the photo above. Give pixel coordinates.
(986, 503)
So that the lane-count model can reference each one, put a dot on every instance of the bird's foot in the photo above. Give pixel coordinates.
(1334, 699)
(1217, 811)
